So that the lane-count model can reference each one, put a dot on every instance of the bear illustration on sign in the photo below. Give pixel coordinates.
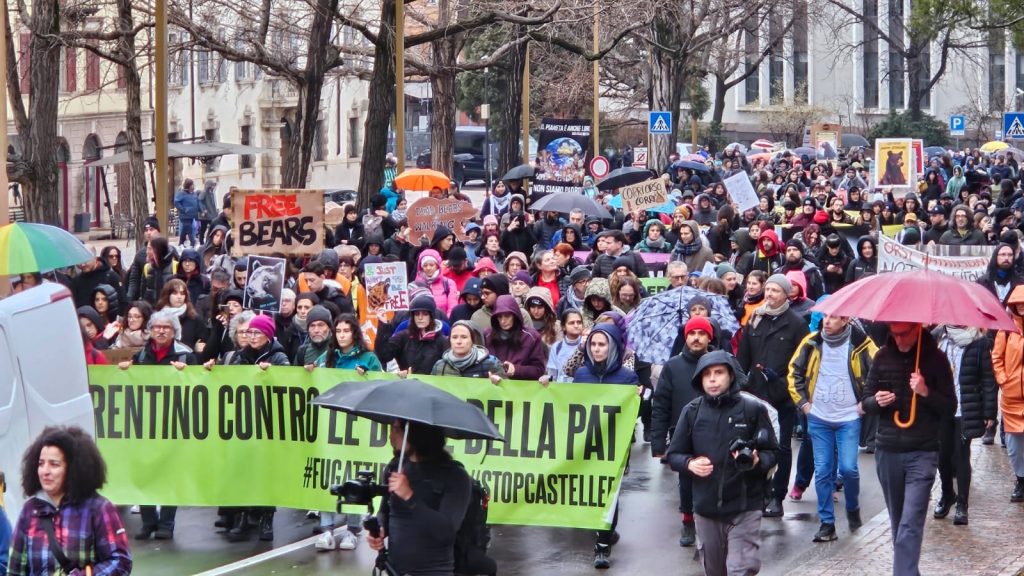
(893, 175)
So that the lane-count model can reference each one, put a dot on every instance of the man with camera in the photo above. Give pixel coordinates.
(725, 440)
(425, 504)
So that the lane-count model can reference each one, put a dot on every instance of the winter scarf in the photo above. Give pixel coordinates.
(689, 249)
(313, 352)
(301, 324)
(748, 299)
(477, 354)
(132, 338)
(657, 244)
(962, 337)
(765, 310)
(500, 203)
(176, 310)
(838, 339)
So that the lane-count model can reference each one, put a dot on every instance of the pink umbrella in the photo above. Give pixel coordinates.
(920, 296)
(763, 144)
(694, 158)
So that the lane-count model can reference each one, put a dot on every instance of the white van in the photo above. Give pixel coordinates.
(43, 379)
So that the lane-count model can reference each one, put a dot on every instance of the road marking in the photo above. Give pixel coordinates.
(268, 555)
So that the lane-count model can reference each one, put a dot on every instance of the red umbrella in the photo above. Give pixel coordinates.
(920, 296)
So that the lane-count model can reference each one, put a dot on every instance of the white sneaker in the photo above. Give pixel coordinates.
(134, 509)
(326, 542)
(347, 541)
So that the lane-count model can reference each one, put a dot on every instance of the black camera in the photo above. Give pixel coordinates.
(361, 490)
(744, 450)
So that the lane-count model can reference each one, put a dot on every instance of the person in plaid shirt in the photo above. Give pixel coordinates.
(61, 473)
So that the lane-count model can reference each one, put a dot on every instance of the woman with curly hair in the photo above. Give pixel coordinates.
(66, 527)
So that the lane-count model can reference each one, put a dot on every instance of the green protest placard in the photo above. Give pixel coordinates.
(654, 285)
(239, 436)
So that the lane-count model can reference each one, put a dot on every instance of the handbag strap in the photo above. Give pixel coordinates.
(55, 548)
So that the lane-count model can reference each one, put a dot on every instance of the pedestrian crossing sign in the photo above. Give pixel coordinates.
(659, 123)
(1013, 125)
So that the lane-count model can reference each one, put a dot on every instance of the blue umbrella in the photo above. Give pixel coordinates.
(690, 166)
(666, 208)
(656, 322)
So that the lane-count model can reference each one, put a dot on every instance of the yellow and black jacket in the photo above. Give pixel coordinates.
(804, 365)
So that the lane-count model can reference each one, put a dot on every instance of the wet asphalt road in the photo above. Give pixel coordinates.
(648, 524)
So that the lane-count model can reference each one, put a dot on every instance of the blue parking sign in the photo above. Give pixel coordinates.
(659, 123)
(957, 125)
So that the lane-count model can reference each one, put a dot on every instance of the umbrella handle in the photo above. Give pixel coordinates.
(903, 425)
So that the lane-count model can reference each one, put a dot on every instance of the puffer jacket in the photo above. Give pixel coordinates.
(803, 367)
(417, 355)
(1008, 365)
(977, 381)
(600, 288)
(483, 365)
(524, 350)
(891, 371)
(707, 427)
(443, 289)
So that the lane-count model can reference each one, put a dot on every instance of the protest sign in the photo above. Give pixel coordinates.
(427, 213)
(741, 191)
(264, 281)
(918, 156)
(895, 165)
(277, 221)
(894, 257)
(826, 139)
(561, 155)
(387, 287)
(646, 194)
(655, 285)
(241, 436)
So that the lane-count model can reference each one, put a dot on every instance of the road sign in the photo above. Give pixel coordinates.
(599, 167)
(659, 122)
(640, 157)
(957, 125)
(1013, 125)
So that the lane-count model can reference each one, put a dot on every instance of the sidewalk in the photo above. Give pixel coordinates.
(991, 545)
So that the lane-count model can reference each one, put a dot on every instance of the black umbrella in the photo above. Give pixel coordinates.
(624, 177)
(690, 165)
(523, 171)
(566, 202)
(411, 400)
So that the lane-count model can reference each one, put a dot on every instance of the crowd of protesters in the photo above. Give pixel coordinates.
(549, 297)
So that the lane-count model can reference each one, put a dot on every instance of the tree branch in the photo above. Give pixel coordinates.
(484, 19)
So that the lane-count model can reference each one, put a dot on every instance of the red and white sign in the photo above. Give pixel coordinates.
(640, 157)
(599, 167)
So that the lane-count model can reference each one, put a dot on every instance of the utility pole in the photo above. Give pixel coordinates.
(400, 84)
(160, 113)
(597, 71)
(526, 106)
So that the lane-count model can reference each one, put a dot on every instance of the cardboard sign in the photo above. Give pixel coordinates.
(264, 281)
(266, 222)
(426, 214)
(894, 257)
(387, 288)
(644, 195)
(741, 191)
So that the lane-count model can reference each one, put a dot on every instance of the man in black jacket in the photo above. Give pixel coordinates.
(770, 338)
(136, 289)
(907, 444)
(675, 390)
(1001, 278)
(727, 485)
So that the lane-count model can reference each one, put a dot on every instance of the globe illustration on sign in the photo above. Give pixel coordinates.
(562, 151)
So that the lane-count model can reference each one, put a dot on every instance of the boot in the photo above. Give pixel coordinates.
(601, 559)
(853, 518)
(773, 509)
(267, 527)
(689, 534)
(942, 506)
(960, 516)
(990, 435)
(240, 530)
(1018, 491)
(826, 533)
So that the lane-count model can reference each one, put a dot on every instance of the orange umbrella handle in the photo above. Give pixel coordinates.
(913, 396)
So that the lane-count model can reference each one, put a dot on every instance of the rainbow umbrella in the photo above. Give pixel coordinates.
(26, 247)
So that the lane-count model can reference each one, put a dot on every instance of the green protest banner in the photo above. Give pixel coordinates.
(239, 436)
(654, 285)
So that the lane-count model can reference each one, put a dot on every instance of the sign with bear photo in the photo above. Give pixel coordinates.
(895, 165)
(387, 288)
(274, 221)
(264, 281)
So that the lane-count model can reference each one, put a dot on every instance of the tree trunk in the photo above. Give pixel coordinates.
(41, 198)
(915, 86)
(510, 151)
(319, 59)
(133, 118)
(442, 84)
(661, 98)
(718, 108)
(381, 106)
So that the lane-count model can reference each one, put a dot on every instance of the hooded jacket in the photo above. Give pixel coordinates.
(996, 280)
(610, 371)
(705, 216)
(271, 352)
(208, 251)
(764, 352)
(861, 267)
(891, 371)
(577, 242)
(197, 283)
(113, 301)
(645, 245)
(969, 237)
(696, 253)
(524, 349)
(766, 261)
(1008, 365)
(443, 289)
(83, 286)
(599, 288)
(483, 365)
(674, 391)
(707, 427)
